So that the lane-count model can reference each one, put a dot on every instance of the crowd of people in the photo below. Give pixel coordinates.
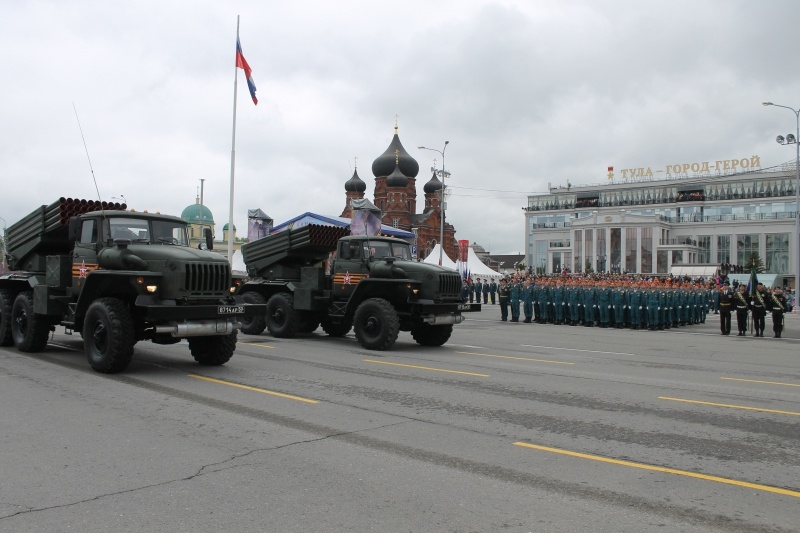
(635, 302)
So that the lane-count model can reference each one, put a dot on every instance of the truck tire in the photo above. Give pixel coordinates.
(281, 321)
(253, 325)
(29, 330)
(213, 350)
(376, 324)
(339, 329)
(108, 336)
(427, 335)
(6, 301)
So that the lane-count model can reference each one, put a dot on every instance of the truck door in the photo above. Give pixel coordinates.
(84, 255)
(348, 269)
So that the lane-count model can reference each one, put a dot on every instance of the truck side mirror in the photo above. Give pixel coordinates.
(209, 239)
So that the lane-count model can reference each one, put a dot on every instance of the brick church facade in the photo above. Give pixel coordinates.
(395, 195)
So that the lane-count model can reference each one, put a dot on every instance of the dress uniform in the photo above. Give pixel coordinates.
(589, 304)
(503, 293)
(516, 290)
(725, 308)
(758, 303)
(527, 300)
(492, 290)
(604, 304)
(742, 303)
(478, 290)
(618, 297)
(778, 305)
(558, 294)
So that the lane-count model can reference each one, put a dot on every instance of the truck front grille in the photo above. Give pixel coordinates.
(450, 285)
(204, 279)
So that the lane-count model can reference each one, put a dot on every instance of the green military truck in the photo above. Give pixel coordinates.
(116, 277)
(320, 275)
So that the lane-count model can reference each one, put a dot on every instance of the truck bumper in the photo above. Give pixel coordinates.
(159, 311)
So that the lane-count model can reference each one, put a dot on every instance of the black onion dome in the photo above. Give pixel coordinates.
(396, 178)
(433, 185)
(393, 156)
(355, 184)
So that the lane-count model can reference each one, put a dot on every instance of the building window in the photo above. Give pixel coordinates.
(745, 246)
(578, 240)
(677, 257)
(661, 262)
(704, 242)
(541, 256)
(630, 250)
(589, 248)
(777, 259)
(723, 249)
(616, 250)
(395, 222)
(647, 250)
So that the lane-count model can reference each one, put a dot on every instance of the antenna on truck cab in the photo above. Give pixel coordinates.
(86, 148)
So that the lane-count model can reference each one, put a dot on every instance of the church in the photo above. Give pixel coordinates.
(395, 195)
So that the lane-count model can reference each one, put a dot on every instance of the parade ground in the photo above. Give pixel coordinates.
(508, 427)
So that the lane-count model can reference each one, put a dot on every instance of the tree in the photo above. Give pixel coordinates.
(588, 269)
(754, 262)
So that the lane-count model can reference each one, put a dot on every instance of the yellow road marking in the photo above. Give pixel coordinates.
(257, 344)
(254, 389)
(426, 368)
(767, 382)
(517, 358)
(664, 470)
(744, 407)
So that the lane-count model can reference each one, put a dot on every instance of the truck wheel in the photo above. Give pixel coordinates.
(376, 324)
(281, 321)
(6, 300)
(29, 330)
(108, 337)
(336, 330)
(213, 350)
(427, 335)
(253, 325)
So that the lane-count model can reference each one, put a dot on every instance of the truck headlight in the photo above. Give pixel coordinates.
(152, 288)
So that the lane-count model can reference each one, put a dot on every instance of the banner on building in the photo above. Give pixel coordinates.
(258, 224)
(365, 219)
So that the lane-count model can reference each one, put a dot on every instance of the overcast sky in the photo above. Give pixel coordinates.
(527, 92)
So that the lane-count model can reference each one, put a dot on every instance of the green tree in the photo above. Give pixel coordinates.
(754, 262)
(588, 269)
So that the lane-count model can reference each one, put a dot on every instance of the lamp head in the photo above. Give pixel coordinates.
(767, 103)
(790, 139)
(446, 143)
(779, 139)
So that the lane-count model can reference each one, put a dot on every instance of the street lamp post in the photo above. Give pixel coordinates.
(441, 204)
(794, 139)
(3, 251)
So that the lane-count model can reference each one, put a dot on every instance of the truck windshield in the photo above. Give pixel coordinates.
(148, 231)
(380, 249)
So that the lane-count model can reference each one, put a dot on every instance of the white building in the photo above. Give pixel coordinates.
(652, 226)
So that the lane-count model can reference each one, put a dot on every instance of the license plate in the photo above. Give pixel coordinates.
(464, 307)
(230, 310)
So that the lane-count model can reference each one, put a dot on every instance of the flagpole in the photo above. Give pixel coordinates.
(233, 154)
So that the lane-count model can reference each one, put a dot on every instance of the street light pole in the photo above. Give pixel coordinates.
(441, 204)
(796, 142)
(3, 251)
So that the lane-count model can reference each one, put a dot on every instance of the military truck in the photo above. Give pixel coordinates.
(116, 277)
(320, 275)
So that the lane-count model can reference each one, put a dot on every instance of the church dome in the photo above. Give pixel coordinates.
(355, 184)
(433, 185)
(197, 214)
(397, 178)
(394, 156)
(225, 227)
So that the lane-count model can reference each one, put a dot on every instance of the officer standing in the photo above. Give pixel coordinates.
(478, 290)
(492, 290)
(558, 294)
(527, 300)
(589, 304)
(516, 290)
(758, 304)
(742, 303)
(503, 294)
(604, 303)
(778, 305)
(725, 308)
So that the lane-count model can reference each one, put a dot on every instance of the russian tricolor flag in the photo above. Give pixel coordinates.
(241, 62)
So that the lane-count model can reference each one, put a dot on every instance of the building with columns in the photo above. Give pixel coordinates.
(651, 226)
(395, 194)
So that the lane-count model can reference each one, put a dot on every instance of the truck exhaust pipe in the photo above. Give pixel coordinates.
(200, 328)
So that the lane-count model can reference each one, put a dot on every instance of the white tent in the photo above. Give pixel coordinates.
(433, 259)
(479, 270)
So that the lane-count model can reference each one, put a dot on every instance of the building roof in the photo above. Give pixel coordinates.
(197, 214)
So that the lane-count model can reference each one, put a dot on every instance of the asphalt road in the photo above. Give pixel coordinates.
(508, 427)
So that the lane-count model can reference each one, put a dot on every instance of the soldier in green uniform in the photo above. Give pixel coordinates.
(558, 294)
(618, 296)
(503, 292)
(527, 300)
(515, 294)
(492, 290)
(778, 305)
(742, 303)
(725, 308)
(758, 304)
(589, 304)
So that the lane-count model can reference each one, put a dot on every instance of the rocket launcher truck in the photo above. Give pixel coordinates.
(116, 277)
(320, 275)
